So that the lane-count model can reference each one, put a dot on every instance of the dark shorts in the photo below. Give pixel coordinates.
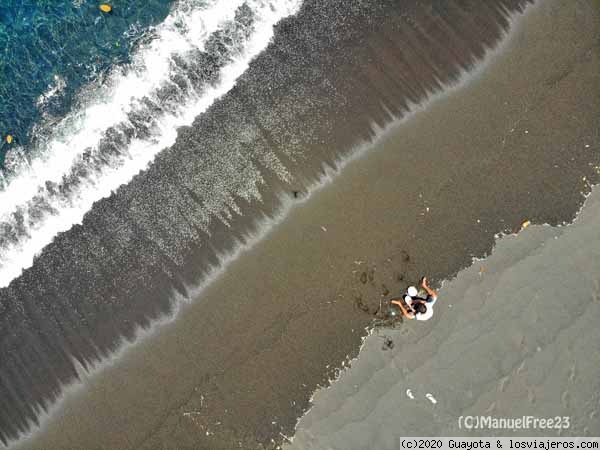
(430, 299)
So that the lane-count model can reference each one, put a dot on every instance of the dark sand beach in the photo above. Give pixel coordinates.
(326, 80)
(517, 140)
(515, 336)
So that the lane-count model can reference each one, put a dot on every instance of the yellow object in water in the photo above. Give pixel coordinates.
(525, 224)
(105, 8)
(9, 139)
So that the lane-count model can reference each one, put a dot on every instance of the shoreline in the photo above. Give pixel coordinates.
(422, 384)
(373, 329)
(319, 191)
(265, 226)
(83, 347)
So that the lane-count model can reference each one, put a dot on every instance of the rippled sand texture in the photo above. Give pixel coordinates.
(515, 334)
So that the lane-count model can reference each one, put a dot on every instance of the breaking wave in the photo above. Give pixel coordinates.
(124, 121)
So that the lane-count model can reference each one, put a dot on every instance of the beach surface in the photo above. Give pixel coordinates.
(229, 112)
(514, 335)
(516, 140)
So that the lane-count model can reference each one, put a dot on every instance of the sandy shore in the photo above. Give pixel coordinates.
(329, 76)
(514, 335)
(239, 364)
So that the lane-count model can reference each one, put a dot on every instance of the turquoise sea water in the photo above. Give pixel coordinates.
(49, 49)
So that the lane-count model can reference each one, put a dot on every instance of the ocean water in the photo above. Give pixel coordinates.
(51, 49)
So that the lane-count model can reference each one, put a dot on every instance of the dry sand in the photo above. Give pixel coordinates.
(239, 364)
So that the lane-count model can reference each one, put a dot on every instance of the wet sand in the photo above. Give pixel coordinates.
(239, 364)
(514, 335)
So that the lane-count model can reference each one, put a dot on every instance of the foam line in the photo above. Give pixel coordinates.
(124, 123)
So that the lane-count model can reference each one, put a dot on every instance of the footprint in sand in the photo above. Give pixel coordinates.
(384, 290)
(503, 383)
(564, 399)
(531, 395)
(358, 301)
(371, 276)
(405, 256)
(491, 408)
(572, 372)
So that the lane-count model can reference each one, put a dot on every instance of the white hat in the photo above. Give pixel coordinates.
(412, 291)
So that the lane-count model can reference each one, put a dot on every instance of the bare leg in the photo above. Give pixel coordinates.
(429, 291)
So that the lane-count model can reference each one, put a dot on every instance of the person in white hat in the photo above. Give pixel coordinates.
(417, 307)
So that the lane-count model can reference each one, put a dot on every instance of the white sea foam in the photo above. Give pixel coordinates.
(187, 29)
(54, 88)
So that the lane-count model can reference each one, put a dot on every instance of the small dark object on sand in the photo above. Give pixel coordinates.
(295, 193)
(388, 344)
